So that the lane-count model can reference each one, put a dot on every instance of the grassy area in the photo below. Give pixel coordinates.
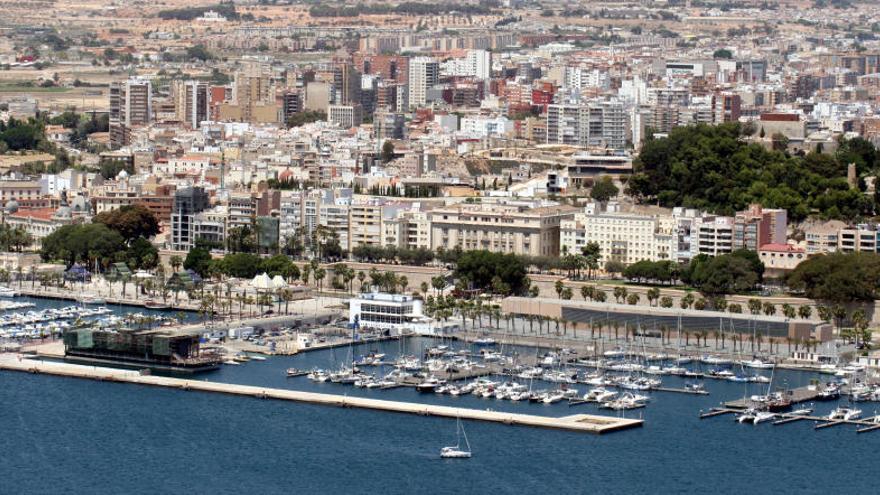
(17, 88)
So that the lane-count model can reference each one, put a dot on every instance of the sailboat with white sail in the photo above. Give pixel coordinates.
(456, 452)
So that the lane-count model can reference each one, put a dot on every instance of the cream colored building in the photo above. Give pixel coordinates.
(504, 228)
(624, 237)
(365, 226)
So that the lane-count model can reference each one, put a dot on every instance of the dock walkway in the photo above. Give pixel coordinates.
(580, 422)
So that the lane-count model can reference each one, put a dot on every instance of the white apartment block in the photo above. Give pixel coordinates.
(345, 116)
(714, 235)
(485, 126)
(598, 124)
(424, 73)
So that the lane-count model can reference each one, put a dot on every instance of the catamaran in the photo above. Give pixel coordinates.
(457, 452)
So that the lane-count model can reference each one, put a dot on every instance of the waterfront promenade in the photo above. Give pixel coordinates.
(586, 423)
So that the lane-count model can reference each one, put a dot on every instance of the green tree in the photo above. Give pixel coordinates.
(604, 189)
(131, 221)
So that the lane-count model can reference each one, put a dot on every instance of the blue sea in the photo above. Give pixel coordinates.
(62, 435)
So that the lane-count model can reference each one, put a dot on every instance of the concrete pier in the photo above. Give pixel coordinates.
(579, 422)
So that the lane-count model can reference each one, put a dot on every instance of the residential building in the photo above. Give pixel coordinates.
(424, 73)
(188, 202)
(131, 104)
(345, 116)
(524, 229)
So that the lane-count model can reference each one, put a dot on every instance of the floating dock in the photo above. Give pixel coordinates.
(579, 422)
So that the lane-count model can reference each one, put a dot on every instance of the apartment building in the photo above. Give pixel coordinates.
(597, 124)
(424, 73)
(757, 226)
(624, 237)
(714, 235)
(345, 116)
(188, 202)
(191, 102)
(131, 104)
(506, 228)
(366, 225)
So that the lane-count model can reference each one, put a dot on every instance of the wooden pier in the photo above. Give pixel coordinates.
(579, 422)
(797, 396)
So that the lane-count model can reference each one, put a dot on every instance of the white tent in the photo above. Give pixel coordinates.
(262, 282)
(278, 282)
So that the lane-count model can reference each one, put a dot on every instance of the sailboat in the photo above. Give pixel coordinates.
(457, 452)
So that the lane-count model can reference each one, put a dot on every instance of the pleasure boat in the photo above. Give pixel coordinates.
(7, 292)
(90, 299)
(484, 341)
(801, 412)
(716, 360)
(757, 364)
(429, 385)
(319, 376)
(747, 416)
(599, 394)
(844, 414)
(154, 304)
(695, 387)
(456, 452)
(553, 397)
(763, 416)
(291, 372)
(831, 391)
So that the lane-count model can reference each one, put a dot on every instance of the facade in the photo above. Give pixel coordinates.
(345, 116)
(504, 228)
(191, 102)
(131, 104)
(424, 73)
(597, 124)
(624, 237)
(188, 202)
(758, 226)
(395, 314)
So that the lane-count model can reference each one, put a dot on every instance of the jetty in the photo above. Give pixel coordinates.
(586, 423)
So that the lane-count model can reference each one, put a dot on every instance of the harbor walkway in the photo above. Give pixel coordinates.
(580, 422)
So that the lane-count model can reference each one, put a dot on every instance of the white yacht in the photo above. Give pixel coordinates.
(762, 416)
(844, 414)
(7, 292)
(90, 299)
(757, 364)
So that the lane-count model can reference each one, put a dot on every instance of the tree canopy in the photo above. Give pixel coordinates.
(604, 189)
(131, 221)
(713, 168)
(838, 277)
(481, 268)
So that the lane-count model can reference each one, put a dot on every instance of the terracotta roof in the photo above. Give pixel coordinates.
(781, 248)
(36, 213)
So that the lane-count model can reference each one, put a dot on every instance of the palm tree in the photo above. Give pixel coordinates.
(423, 287)
(805, 311)
(789, 311)
(687, 301)
(587, 292)
(754, 306)
(769, 309)
(620, 293)
(653, 295)
(633, 299)
(361, 276)
(175, 262)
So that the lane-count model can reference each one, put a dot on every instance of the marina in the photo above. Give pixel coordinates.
(579, 422)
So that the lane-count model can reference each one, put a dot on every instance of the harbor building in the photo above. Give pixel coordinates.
(654, 321)
(395, 314)
(161, 349)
